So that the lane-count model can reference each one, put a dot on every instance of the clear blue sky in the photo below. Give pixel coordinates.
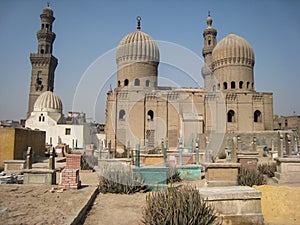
(85, 30)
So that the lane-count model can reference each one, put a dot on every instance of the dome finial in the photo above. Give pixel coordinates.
(48, 4)
(209, 20)
(138, 18)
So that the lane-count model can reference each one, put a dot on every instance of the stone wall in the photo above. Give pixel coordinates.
(14, 143)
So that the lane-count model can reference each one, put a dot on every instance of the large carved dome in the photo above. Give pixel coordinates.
(48, 102)
(233, 50)
(137, 47)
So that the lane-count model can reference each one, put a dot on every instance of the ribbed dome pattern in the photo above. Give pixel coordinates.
(137, 47)
(48, 102)
(233, 49)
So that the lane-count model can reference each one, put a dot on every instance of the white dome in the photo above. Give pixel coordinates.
(48, 102)
(137, 47)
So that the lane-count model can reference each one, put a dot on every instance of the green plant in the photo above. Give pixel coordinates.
(179, 207)
(250, 177)
(268, 169)
(173, 175)
(119, 178)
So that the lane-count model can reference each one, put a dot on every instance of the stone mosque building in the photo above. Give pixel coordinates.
(140, 111)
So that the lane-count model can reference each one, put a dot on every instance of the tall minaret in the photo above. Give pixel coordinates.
(210, 41)
(43, 62)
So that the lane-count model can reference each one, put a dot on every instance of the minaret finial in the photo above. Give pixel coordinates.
(138, 18)
(48, 4)
(209, 20)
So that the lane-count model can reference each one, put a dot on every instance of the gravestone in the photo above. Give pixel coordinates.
(235, 205)
(29, 158)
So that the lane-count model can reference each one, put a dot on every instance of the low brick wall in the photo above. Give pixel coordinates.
(69, 179)
(73, 161)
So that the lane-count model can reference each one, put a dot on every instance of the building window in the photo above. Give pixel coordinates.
(248, 83)
(225, 85)
(42, 118)
(218, 86)
(286, 123)
(147, 83)
(232, 85)
(214, 88)
(231, 116)
(68, 131)
(150, 115)
(257, 116)
(122, 114)
(136, 82)
(241, 84)
(119, 83)
(209, 42)
(126, 82)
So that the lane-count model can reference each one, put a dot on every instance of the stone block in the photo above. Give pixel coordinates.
(39, 176)
(154, 177)
(248, 159)
(288, 170)
(236, 205)
(190, 172)
(14, 166)
(222, 174)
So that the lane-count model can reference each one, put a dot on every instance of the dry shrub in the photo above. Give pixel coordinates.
(250, 177)
(120, 179)
(180, 206)
(268, 169)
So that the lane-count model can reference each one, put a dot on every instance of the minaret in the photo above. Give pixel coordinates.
(210, 41)
(43, 62)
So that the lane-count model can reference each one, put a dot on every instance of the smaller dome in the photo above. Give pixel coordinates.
(47, 10)
(137, 47)
(48, 102)
(233, 49)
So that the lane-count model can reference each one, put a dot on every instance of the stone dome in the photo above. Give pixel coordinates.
(48, 102)
(232, 50)
(137, 47)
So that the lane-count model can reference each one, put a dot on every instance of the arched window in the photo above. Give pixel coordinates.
(225, 85)
(257, 116)
(122, 114)
(214, 88)
(126, 82)
(232, 85)
(41, 118)
(150, 115)
(119, 83)
(136, 82)
(241, 84)
(209, 42)
(248, 83)
(231, 116)
(147, 83)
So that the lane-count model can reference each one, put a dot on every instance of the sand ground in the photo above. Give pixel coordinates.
(29, 204)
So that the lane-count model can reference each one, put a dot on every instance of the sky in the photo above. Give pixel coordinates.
(87, 33)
